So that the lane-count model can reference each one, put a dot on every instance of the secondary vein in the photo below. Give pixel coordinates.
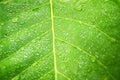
(87, 24)
(87, 53)
(53, 38)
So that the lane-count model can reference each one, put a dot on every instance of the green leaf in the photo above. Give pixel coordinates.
(59, 40)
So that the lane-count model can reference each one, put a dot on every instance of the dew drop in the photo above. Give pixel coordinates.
(93, 59)
(79, 7)
(106, 0)
(66, 60)
(89, 70)
(14, 20)
(4, 67)
(25, 56)
(12, 40)
(63, 67)
(5, 35)
(86, 79)
(80, 66)
(37, 54)
(2, 24)
(113, 56)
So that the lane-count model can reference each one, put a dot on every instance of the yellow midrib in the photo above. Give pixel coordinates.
(53, 38)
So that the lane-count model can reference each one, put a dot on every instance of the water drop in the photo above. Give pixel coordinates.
(106, 0)
(5, 35)
(79, 7)
(86, 79)
(4, 67)
(89, 70)
(37, 54)
(12, 40)
(80, 66)
(14, 19)
(2, 24)
(113, 56)
(25, 56)
(93, 59)
(66, 60)
(63, 67)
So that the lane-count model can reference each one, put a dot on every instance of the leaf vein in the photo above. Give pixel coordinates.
(31, 27)
(87, 53)
(32, 65)
(46, 74)
(84, 23)
(25, 45)
(63, 75)
(53, 38)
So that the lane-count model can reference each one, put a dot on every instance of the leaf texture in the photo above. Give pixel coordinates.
(59, 40)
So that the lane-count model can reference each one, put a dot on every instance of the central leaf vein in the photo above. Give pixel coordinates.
(53, 38)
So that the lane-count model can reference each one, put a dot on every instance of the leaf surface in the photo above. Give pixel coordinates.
(59, 40)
